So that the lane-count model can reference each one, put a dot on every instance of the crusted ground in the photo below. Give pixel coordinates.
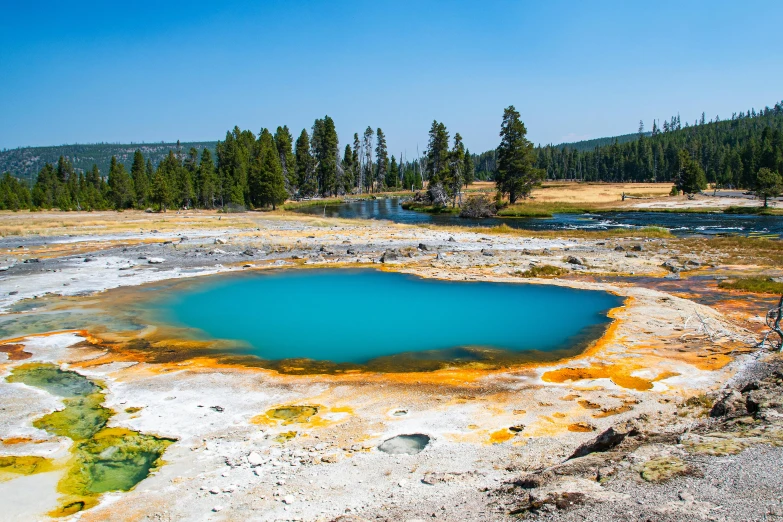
(671, 349)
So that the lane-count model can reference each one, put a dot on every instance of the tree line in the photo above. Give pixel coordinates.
(730, 152)
(246, 171)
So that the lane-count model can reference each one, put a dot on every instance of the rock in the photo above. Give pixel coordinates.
(671, 266)
(155, 260)
(402, 483)
(629, 254)
(32, 260)
(89, 259)
(214, 491)
(4, 268)
(439, 257)
(331, 458)
(390, 255)
(618, 248)
(216, 252)
(249, 252)
(183, 238)
(573, 260)
(220, 241)
(662, 469)
(693, 263)
(216, 508)
(351, 252)
(636, 248)
(731, 405)
(434, 477)
(218, 409)
(423, 247)
(255, 459)
(148, 210)
(288, 499)
(452, 240)
(686, 496)
(487, 252)
(13, 292)
(605, 441)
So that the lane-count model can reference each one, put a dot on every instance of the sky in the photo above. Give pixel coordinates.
(118, 72)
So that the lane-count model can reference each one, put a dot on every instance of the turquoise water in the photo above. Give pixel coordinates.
(356, 316)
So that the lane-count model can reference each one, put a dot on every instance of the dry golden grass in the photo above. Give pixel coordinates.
(108, 222)
(573, 192)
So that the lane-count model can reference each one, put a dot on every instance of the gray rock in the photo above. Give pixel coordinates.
(423, 247)
(487, 252)
(618, 248)
(730, 405)
(573, 260)
(155, 260)
(390, 255)
(671, 266)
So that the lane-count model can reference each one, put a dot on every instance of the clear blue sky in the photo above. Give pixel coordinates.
(150, 71)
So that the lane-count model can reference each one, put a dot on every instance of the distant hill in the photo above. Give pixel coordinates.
(586, 145)
(25, 162)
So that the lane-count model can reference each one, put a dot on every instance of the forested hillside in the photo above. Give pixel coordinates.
(730, 152)
(25, 162)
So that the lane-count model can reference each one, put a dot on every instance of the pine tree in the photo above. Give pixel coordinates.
(456, 164)
(141, 183)
(381, 159)
(305, 166)
(160, 194)
(468, 170)
(284, 142)
(120, 185)
(516, 175)
(391, 174)
(768, 184)
(265, 175)
(208, 180)
(367, 164)
(691, 176)
(324, 144)
(437, 161)
(348, 170)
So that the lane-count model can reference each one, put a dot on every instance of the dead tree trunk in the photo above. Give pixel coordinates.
(774, 317)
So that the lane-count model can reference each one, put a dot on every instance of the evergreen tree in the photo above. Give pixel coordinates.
(207, 180)
(691, 178)
(265, 174)
(768, 184)
(324, 144)
(160, 190)
(141, 183)
(305, 166)
(348, 169)
(284, 142)
(437, 160)
(381, 159)
(392, 179)
(14, 194)
(367, 164)
(516, 174)
(455, 176)
(468, 170)
(120, 186)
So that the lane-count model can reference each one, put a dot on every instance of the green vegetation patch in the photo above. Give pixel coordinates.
(63, 383)
(81, 418)
(757, 285)
(542, 271)
(103, 459)
(115, 459)
(662, 469)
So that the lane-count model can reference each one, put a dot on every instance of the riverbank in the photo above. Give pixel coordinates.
(677, 336)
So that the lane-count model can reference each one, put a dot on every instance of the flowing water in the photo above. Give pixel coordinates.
(359, 316)
(680, 223)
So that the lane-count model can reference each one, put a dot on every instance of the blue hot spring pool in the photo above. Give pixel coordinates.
(358, 316)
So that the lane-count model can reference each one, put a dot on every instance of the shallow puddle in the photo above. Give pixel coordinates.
(293, 414)
(405, 444)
